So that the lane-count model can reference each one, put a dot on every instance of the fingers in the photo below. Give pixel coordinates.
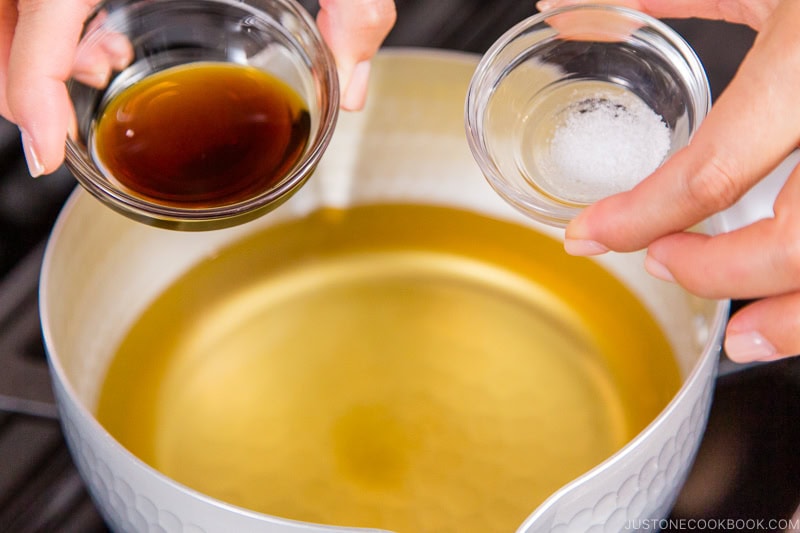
(98, 57)
(750, 12)
(748, 132)
(751, 128)
(725, 266)
(762, 259)
(765, 330)
(354, 30)
(40, 62)
(95, 63)
(8, 21)
(41, 55)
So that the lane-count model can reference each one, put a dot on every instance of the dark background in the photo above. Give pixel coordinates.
(748, 465)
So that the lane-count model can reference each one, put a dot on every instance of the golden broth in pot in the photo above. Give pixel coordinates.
(406, 367)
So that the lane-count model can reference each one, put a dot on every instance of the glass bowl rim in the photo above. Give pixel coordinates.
(84, 170)
(529, 201)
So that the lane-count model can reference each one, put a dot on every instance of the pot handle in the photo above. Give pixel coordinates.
(755, 205)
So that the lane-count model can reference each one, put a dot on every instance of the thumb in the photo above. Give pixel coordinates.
(40, 61)
(749, 131)
(354, 30)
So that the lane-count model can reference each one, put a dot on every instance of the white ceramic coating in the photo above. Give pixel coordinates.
(101, 270)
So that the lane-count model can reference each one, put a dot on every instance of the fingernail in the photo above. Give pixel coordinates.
(544, 5)
(355, 94)
(657, 270)
(98, 79)
(120, 62)
(35, 166)
(119, 50)
(583, 247)
(749, 346)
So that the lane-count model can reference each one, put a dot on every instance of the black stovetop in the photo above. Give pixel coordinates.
(748, 466)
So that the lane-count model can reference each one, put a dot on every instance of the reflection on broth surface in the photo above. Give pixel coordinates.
(412, 368)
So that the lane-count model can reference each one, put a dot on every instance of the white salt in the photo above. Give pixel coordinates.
(606, 144)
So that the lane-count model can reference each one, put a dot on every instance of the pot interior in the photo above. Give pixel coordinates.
(397, 212)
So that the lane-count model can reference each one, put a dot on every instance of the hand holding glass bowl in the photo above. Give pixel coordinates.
(579, 103)
(745, 137)
(190, 140)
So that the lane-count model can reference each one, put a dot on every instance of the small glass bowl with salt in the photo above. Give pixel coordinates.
(579, 103)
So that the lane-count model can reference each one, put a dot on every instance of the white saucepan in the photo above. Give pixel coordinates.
(101, 270)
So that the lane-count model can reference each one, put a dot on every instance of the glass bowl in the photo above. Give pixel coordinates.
(133, 40)
(579, 103)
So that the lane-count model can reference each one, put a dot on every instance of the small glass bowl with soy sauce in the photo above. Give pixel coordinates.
(199, 114)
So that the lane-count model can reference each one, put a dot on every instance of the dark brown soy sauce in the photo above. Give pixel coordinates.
(202, 135)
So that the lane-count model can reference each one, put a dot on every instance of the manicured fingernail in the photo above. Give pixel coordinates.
(583, 247)
(657, 270)
(35, 166)
(355, 94)
(749, 346)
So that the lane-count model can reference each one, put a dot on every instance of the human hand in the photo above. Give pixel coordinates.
(37, 52)
(354, 30)
(38, 42)
(753, 126)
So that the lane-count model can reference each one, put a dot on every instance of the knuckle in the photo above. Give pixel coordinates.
(372, 14)
(378, 14)
(716, 186)
(787, 252)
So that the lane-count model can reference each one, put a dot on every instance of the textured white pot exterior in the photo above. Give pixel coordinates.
(639, 484)
(101, 270)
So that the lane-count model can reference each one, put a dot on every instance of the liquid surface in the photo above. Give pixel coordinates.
(201, 135)
(418, 369)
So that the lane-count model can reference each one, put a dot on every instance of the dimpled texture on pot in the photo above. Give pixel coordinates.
(119, 503)
(642, 481)
(134, 499)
